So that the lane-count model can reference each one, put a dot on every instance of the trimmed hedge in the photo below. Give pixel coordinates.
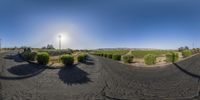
(105, 55)
(116, 57)
(186, 53)
(109, 56)
(33, 56)
(43, 58)
(26, 55)
(29, 55)
(172, 57)
(82, 58)
(127, 58)
(150, 59)
(67, 60)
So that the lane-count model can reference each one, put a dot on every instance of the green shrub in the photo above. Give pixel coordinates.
(109, 56)
(172, 57)
(29, 55)
(195, 50)
(43, 58)
(105, 55)
(82, 58)
(33, 56)
(150, 59)
(116, 57)
(127, 58)
(67, 60)
(26, 55)
(99, 54)
(186, 53)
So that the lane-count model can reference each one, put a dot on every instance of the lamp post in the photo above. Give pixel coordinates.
(60, 41)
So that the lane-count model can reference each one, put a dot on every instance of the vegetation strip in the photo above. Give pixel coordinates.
(148, 57)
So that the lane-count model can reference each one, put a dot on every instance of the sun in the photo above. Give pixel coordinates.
(64, 36)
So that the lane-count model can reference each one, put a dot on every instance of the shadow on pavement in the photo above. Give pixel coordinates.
(14, 57)
(21, 76)
(89, 61)
(25, 69)
(73, 75)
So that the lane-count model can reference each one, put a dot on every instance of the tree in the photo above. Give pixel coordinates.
(50, 46)
(183, 48)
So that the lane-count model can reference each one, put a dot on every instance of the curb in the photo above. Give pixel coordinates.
(187, 72)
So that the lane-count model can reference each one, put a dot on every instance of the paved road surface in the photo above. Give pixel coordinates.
(98, 79)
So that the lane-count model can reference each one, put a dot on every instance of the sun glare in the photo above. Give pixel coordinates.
(64, 37)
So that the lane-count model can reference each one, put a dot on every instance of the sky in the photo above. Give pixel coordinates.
(91, 24)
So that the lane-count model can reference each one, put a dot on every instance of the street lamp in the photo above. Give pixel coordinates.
(60, 41)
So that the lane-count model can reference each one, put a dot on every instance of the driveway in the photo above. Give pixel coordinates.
(98, 78)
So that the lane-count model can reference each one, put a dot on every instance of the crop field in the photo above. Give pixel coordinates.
(145, 57)
(56, 52)
(119, 52)
(142, 53)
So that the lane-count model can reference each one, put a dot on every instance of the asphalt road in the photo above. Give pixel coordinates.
(98, 79)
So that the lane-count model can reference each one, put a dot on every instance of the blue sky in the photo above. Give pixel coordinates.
(89, 24)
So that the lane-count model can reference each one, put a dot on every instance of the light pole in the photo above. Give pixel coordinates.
(60, 41)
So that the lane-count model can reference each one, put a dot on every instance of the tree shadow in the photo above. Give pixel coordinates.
(73, 75)
(25, 69)
(14, 57)
(22, 75)
(89, 61)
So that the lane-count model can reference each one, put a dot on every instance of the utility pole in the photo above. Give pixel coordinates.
(0, 44)
(193, 45)
(60, 41)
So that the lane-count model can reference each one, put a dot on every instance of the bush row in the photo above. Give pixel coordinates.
(43, 57)
(111, 56)
(57, 52)
(149, 59)
(186, 53)
(118, 57)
